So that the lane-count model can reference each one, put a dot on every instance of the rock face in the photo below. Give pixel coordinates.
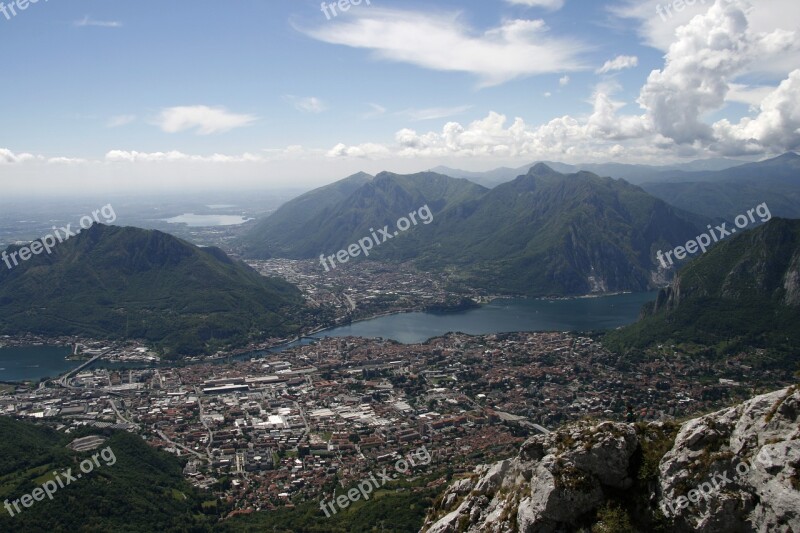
(743, 463)
(555, 479)
(736, 470)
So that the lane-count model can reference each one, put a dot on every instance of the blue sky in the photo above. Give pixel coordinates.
(260, 93)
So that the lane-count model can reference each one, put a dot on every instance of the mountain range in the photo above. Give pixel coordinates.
(636, 174)
(542, 234)
(117, 282)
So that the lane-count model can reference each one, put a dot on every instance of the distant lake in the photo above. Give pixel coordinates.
(580, 314)
(204, 221)
(34, 362)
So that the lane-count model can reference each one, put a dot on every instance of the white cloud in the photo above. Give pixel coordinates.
(708, 55)
(125, 156)
(366, 150)
(310, 104)
(776, 127)
(432, 113)
(552, 5)
(763, 17)
(7, 157)
(563, 81)
(618, 63)
(120, 120)
(87, 21)
(444, 42)
(205, 120)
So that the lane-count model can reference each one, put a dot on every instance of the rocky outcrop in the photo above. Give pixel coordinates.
(564, 480)
(740, 465)
(554, 481)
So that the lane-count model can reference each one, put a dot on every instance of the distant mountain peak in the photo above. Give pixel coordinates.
(361, 175)
(541, 169)
(788, 156)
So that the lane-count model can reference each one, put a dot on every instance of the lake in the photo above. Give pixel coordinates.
(34, 362)
(204, 221)
(579, 314)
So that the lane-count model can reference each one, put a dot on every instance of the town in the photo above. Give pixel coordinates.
(284, 427)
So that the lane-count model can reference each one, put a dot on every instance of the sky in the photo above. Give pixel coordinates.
(194, 95)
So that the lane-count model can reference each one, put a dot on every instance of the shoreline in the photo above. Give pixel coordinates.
(261, 349)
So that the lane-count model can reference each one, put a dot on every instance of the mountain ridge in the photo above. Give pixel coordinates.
(116, 282)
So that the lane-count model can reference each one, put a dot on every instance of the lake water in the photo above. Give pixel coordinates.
(205, 221)
(34, 362)
(581, 314)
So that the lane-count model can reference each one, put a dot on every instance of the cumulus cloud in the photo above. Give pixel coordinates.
(443, 42)
(203, 119)
(776, 127)
(366, 150)
(708, 55)
(494, 136)
(8, 157)
(763, 17)
(618, 63)
(563, 81)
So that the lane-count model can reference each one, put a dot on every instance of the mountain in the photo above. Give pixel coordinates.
(114, 282)
(131, 488)
(377, 202)
(732, 470)
(636, 174)
(745, 292)
(542, 234)
(727, 193)
(548, 234)
(299, 211)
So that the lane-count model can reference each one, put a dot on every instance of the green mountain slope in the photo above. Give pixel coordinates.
(547, 233)
(298, 212)
(379, 202)
(743, 293)
(134, 488)
(115, 282)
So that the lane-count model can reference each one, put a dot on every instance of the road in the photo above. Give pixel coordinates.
(203, 421)
(120, 415)
(181, 446)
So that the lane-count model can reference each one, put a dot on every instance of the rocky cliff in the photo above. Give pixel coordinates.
(734, 470)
